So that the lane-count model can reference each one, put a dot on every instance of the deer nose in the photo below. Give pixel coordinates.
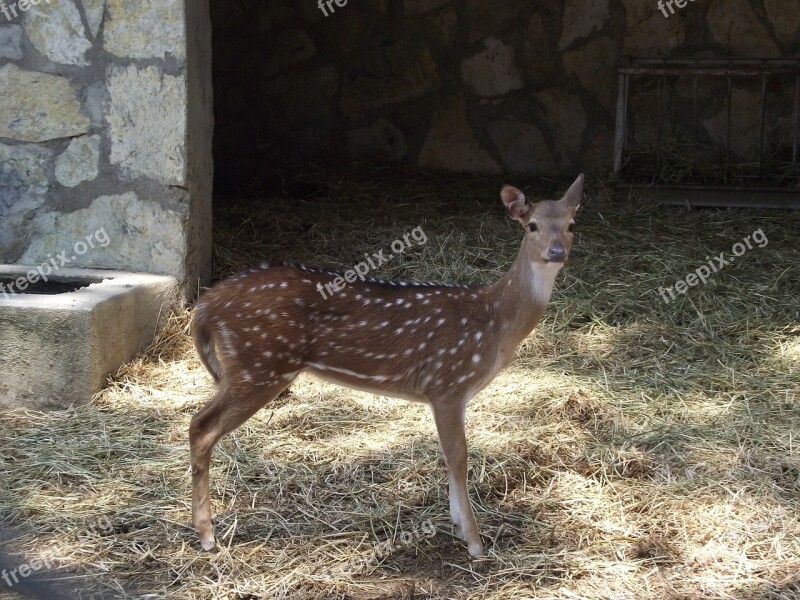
(557, 253)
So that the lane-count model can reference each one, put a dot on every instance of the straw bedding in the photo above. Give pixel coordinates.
(635, 449)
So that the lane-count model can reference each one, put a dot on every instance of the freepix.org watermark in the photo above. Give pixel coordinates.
(13, 9)
(54, 263)
(13, 577)
(663, 5)
(329, 4)
(714, 265)
(360, 270)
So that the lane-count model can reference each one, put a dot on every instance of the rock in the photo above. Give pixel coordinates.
(648, 33)
(94, 14)
(451, 145)
(598, 77)
(11, 42)
(566, 122)
(541, 62)
(599, 155)
(487, 17)
(523, 147)
(416, 7)
(24, 176)
(56, 30)
(785, 19)
(445, 24)
(288, 48)
(581, 18)
(735, 25)
(381, 141)
(80, 161)
(492, 72)
(145, 29)
(414, 75)
(36, 107)
(147, 123)
(143, 237)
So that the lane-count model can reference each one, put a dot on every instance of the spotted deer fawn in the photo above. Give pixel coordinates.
(429, 342)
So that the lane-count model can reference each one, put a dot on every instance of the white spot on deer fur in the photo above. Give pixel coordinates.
(284, 285)
(440, 351)
(438, 365)
(267, 354)
(407, 305)
(476, 358)
(464, 321)
(478, 335)
(361, 323)
(382, 325)
(408, 352)
(461, 342)
(430, 335)
(246, 376)
(399, 330)
(419, 296)
(422, 346)
(463, 378)
(247, 344)
(270, 286)
(452, 351)
(440, 322)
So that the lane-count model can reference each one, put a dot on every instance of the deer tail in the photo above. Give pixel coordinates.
(203, 335)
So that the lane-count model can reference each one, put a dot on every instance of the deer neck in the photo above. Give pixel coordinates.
(521, 296)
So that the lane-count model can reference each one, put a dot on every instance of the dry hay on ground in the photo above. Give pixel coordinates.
(636, 449)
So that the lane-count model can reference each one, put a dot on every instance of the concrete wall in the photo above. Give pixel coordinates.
(465, 85)
(105, 123)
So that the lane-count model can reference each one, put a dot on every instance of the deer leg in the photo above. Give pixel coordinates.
(449, 420)
(227, 410)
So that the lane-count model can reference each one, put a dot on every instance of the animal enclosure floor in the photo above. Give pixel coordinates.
(636, 449)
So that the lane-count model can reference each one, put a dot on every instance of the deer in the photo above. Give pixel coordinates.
(435, 343)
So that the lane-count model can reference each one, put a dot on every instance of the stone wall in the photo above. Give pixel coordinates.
(106, 123)
(488, 86)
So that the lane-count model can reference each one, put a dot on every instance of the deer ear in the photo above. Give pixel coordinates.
(574, 194)
(516, 203)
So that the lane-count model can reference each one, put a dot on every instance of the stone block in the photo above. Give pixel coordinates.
(37, 107)
(735, 26)
(11, 42)
(451, 144)
(146, 29)
(522, 147)
(142, 236)
(380, 141)
(147, 123)
(492, 72)
(648, 33)
(80, 161)
(24, 183)
(58, 349)
(56, 30)
(581, 19)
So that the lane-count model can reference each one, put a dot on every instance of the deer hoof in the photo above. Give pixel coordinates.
(475, 550)
(207, 542)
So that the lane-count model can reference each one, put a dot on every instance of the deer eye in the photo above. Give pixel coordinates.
(571, 227)
(532, 226)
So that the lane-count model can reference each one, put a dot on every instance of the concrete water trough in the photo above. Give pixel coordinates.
(61, 335)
